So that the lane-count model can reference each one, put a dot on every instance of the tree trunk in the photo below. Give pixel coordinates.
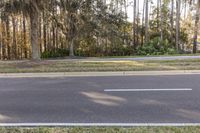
(8, 38)
(14, 52)
(143, 15)
(158, 12)
(40, 34)
(196, 27)
(147, 21)
(44, 31)
(178, 2)
(172, 20)
(161, 22)
(3, 41)
(24, 38)
(1, 46)
(34, 36)
(71, 49)
(185, 9)
(138, 21)
(71, 34)
(126, 16)
(134, 24)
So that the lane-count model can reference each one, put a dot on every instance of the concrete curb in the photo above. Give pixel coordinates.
(30, 125)
(97, 74)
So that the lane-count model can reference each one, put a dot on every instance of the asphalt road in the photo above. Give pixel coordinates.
(91, 99)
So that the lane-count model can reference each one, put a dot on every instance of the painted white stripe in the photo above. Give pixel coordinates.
(141, 90)
(95, 124)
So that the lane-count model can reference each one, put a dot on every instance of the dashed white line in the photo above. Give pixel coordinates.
(143, 90)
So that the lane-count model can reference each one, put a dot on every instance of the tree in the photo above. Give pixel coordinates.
(196, 29)
(30, 8)
(172, 19)
(146, 20)
(134, 22)
(57, 28)
(178, 3)
(71, 20)
(161, 21)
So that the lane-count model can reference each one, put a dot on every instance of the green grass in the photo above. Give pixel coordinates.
(104, 130)
(136, 56)
(95, 66)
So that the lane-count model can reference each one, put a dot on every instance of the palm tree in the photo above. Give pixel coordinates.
(31, 8)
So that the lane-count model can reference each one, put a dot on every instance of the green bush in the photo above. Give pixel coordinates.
(55, 53)
(171, 51)
(156, 47)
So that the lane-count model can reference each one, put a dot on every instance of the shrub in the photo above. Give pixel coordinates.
(55, 53)
(156, 47)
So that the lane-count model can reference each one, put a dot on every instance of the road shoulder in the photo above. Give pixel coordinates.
(96, 74)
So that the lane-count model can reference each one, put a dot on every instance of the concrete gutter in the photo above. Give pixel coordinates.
(96, 74)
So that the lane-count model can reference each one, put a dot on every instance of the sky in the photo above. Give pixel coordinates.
(141, 3)
(130, 9)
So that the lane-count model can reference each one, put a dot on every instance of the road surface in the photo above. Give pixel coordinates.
(117, 99)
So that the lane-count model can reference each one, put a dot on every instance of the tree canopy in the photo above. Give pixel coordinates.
(37, 29)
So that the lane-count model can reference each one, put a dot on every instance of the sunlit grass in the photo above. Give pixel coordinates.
(99, 66)
(103, 130)
(166, 55)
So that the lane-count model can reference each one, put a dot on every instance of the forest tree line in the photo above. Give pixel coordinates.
(34, 29)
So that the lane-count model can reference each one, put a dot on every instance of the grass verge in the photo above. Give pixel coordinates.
(138, 56)
(104, 130)
(98, 66)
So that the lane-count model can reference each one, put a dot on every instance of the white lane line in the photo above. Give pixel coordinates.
(141, 90)
(95, 124)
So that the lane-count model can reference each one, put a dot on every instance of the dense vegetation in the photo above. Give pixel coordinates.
(57, 28)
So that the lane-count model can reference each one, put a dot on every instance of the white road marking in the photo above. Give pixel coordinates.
(96, 124)
(141, 90)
